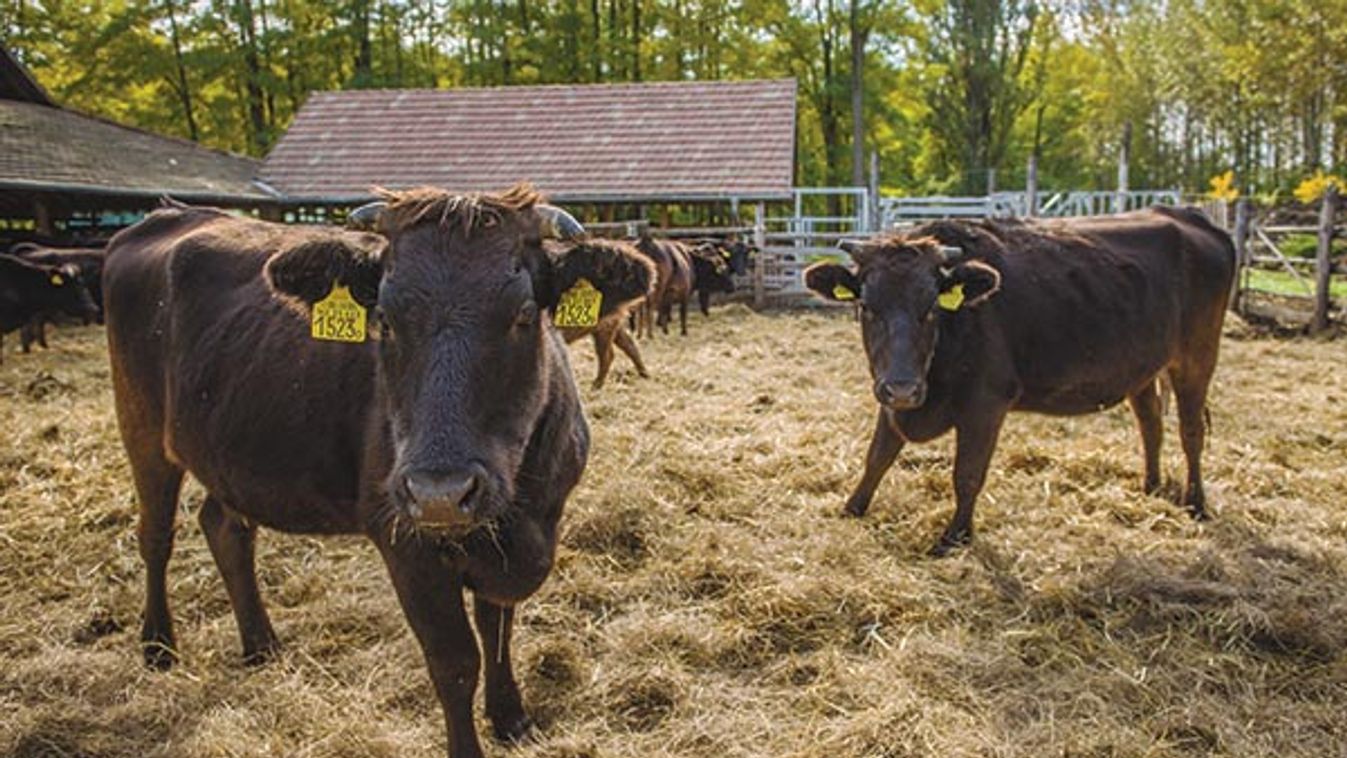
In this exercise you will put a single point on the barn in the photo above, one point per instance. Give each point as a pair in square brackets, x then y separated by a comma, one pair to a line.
[68, 175]
[609, 149]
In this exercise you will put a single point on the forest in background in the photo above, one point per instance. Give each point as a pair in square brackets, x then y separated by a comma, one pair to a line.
[944, 91]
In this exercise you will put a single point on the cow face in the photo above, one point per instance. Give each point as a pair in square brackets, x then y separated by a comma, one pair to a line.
[64, 290]
[904, 289]
[711, 269]
[462, 294]
[739, 255]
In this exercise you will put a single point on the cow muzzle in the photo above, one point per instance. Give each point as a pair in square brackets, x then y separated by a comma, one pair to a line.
[900, 396]
[446, 498]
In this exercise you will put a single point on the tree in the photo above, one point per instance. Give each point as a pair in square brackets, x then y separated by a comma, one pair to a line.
[980, 48]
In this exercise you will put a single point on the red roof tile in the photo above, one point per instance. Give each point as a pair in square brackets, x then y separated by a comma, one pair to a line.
[654, 141]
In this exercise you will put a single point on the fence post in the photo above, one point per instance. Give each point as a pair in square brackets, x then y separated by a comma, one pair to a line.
[874, 221]
[1241, 251]
[760, 260]
[1124, 156]
[1031, 188]
[1323, 262]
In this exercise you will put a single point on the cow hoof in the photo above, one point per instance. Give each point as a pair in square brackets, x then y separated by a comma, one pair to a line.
[948, 544]
[856, 507]
[1199, 513]
[513, 730]
[262, 655]
[159, 656]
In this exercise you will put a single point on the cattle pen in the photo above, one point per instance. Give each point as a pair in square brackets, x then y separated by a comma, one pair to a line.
[709, 598]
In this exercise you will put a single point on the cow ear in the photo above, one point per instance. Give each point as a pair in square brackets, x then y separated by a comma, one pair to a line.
[305, 273]
[968, 285]
[832, 281]
[615, 269]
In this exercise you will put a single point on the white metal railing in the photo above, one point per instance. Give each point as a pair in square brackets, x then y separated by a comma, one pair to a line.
[806, 226]
[896, 210]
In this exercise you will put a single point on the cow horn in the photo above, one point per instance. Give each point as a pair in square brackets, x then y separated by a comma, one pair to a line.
[851, 247]
[951, 253]
[366, 216]
[559, 223]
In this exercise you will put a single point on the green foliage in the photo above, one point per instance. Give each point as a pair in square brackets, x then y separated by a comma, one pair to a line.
[950, 88]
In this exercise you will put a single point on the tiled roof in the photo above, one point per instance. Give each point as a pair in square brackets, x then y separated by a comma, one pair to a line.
[54, 149]
[652, 141]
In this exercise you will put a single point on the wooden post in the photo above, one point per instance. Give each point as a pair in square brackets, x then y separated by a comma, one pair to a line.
[991, 182]
[1124, 156]
[1323, 262]
[1031, 187]
[760, 260]
[1241, 251]
[42, 218]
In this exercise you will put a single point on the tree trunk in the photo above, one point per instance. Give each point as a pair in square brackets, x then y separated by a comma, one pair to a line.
[636, 40]
[364, 55]
[252, 75]
[596, 49]
[859, 35]
[184, 90]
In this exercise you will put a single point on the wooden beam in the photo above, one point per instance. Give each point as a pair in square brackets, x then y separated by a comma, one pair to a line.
[42, 216]
[1323, 268]
[1241, 251]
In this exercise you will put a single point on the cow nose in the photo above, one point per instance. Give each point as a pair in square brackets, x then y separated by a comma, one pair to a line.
[900, 394]
[445, 497]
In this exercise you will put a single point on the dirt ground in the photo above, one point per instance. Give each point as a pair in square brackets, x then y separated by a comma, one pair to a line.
[709, 600]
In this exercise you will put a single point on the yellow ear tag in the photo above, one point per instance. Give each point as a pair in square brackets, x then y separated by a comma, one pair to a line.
[579, 306]
[843, 292]
[338, 317]
[57, 280]
[951, 298]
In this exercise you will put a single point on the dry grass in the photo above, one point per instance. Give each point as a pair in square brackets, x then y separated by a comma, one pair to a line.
[709, 600]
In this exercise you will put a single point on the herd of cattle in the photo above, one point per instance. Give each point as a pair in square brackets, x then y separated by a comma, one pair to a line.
[417, 361]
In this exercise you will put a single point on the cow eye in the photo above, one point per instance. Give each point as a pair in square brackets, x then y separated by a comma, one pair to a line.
[527, 315]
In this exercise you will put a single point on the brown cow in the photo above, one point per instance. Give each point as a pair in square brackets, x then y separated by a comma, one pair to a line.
[681, 270]
[611, 329]
[964, 322]
[451, 440]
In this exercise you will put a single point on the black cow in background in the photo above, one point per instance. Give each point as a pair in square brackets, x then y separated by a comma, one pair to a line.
[88, 261]
[28, 289]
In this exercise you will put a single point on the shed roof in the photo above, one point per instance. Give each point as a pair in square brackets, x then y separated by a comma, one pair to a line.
[661, 141]
[17, 84]
[47, 148]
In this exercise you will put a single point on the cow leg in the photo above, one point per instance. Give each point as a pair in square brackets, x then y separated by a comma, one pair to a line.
[231, 542]
[972, 454]
[1146, 406]
[27, 336]
[704, 302]
[157, 485]
[1190, 392]
[628, 346]
[603, 348]
[42, 334]
[665, 316]
[504, 706]
[885, 445]
[431, 595]
[683, 317]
